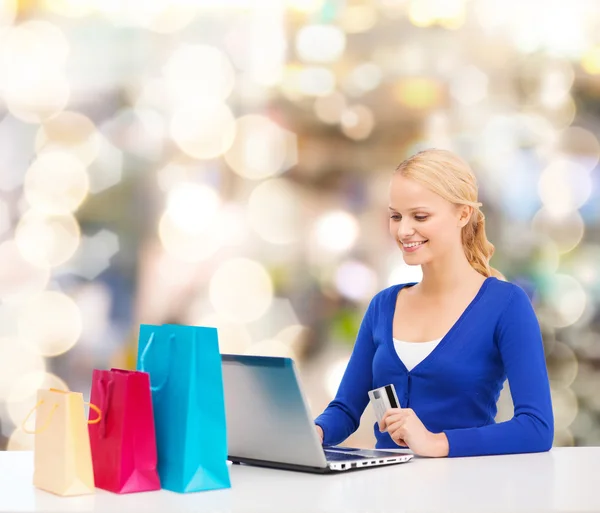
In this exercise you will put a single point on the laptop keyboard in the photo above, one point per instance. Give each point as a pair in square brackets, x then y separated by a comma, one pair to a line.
[338, 456]
[358, 455]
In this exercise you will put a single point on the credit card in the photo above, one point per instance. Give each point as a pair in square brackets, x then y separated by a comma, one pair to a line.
[383, 399]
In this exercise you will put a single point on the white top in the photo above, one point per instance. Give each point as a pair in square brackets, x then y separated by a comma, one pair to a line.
[564, 479]
[413, 353]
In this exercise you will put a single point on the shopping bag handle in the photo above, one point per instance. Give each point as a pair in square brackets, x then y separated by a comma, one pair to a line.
[45, 426]
[105, 400]
[49, 419]
[97, 410]
[143, 357]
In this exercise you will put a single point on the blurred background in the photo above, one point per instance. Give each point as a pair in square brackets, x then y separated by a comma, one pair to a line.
[225, 163]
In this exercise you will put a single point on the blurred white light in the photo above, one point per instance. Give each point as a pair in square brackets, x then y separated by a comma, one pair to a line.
[294, 336]
[556, 83]
[140, 131]
[364, 78]
[320, 43]
[47, 241]
[565, 406]
[204, 131]
[280, 315]
[334, 376]
[162, 16]
[314, 81]
[233, 338]
[172, 174]
[13, 160]
[448, 13]
[590, 60]
[437, 131]
[20, 441]
[94, 254]
[241, 290]
[32, 103]
[8, 319]
[22, 396]
[70, 8]
[50, 323]
[19, 279]
[4, 218]
[491, 15]
[69, 132]
[357, 122]
[232, 225]
[192, 207]
[567, 298]
[34, 43]
[187, 246]
[56, 183]
[8, 12]
[270, 347]
[274, 212]
[562, 365]
[358, 18]
[95, 302]
[565, 230]
[261, 148]
[199, 74]
[564, 186]
[107, 169]
[336, 231]
[579, 144]
[17, 360]
[548, 255]
[305, 6]
[355, 280]
[564, 114]
[33, 57]
[174, 16]
[584, 266]
[469, 85]
[257, 44]
[329, 109]
[404, 273]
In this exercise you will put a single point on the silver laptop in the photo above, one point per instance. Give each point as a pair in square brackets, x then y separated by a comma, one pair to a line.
[269, 423]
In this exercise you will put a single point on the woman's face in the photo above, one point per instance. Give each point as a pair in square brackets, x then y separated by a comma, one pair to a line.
[423, 224]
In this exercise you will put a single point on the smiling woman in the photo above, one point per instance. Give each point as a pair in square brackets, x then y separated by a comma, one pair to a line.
[448, 343]
[446, 190]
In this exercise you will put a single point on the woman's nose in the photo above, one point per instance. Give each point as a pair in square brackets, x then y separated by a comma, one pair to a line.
[405, 229]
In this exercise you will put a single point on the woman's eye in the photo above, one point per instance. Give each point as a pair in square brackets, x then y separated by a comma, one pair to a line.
[395, 217]
[421, 218]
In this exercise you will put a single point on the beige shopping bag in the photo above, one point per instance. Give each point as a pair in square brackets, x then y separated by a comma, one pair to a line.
[62, 454]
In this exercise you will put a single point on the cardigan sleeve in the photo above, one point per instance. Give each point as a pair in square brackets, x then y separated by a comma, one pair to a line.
[342, 416]
[531, 429]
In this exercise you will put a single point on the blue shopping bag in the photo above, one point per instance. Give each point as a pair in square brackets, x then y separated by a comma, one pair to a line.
[186, 380]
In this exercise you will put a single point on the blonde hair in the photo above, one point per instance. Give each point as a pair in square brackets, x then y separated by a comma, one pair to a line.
[446, 174]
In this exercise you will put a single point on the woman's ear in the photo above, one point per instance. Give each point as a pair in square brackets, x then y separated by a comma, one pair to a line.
[464, 215]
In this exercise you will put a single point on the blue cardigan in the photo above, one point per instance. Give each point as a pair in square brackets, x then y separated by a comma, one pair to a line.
[455, 389]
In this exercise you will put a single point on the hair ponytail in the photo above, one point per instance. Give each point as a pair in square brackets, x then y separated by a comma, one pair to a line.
[478, 249]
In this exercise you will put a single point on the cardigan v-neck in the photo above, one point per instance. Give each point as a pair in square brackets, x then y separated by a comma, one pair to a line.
[455, 389]
[449, 334]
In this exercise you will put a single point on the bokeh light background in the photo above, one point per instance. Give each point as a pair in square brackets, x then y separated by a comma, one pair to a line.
[225, 163]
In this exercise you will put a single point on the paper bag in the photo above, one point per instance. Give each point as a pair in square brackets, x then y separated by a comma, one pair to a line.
[184, 364]
[62, 455]
[124, 441]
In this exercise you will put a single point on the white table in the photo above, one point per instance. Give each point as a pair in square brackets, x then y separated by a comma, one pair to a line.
[564, 479]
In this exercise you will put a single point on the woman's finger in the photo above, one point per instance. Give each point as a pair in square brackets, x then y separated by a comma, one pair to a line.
[398, 434]
[395, 425]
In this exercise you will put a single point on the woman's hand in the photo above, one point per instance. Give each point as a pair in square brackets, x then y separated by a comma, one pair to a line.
[406, 429]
